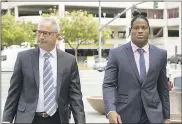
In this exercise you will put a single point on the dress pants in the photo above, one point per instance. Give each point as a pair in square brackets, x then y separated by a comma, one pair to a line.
[55, 119]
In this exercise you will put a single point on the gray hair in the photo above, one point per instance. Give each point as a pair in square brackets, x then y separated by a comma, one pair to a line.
[53, 21]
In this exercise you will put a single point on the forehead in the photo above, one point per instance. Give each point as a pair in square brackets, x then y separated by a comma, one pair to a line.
[45, 26]
[140, 22]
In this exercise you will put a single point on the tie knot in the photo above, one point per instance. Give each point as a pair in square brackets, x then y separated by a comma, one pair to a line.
[141, 51]
[47, 55]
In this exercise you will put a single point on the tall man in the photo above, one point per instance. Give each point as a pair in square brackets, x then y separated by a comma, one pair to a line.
[45, 84]
[135, 88]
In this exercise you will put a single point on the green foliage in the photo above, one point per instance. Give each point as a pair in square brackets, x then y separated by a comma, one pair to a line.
[15, 32]
[53, 12]
[79, 27]
[106, 33]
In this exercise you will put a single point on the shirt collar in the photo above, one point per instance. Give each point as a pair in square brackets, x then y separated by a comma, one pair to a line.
[53, 52]
[135, 48]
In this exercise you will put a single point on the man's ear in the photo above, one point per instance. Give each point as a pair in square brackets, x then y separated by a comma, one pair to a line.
[150, 30]
[58, 35]
[130, 31]
[150, 36]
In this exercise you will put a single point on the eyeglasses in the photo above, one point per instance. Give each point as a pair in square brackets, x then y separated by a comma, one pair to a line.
[45, 33]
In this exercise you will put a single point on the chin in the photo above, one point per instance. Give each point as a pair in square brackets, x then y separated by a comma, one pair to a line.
[140, 42]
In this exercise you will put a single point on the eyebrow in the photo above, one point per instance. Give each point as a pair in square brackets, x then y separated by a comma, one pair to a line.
[140, 25]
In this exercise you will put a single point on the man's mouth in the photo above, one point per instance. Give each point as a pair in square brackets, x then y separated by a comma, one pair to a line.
[42, 42]
[140, 36]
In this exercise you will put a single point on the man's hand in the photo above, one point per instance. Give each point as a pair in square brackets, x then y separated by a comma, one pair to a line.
[167, 121]
[170, 85]
[114, 118]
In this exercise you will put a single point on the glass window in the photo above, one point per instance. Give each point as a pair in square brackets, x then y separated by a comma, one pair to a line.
[3, 58]
[173, 13]
[173, 33]
[121, 34]
[153, 14]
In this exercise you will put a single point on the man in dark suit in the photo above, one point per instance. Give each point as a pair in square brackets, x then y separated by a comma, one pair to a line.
[135, 88]
[45, 84]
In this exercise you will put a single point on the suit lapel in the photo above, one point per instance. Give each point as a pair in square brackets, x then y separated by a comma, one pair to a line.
[60, 64]
[35, 65]
[131, 58]
[152, 55]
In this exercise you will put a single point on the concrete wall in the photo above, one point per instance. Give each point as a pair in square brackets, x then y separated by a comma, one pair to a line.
[147, 5]
[175, 105]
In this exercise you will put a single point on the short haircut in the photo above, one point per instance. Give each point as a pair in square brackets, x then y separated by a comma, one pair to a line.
[139, 15]
[53, 21]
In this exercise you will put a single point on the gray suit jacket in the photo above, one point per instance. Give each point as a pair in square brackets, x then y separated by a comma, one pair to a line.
[123, 92]
[23, 93]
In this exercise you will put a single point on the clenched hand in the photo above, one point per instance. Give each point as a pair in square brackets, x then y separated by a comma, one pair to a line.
[114, 118]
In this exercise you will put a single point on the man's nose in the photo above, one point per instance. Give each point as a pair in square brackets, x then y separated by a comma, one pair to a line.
[140, 30]
[42, 36]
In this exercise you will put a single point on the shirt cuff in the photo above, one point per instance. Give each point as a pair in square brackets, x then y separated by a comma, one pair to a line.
[5, 122]
[110, 112]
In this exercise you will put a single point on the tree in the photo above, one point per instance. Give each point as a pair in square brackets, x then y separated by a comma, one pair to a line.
[80, 27]
[16, 32]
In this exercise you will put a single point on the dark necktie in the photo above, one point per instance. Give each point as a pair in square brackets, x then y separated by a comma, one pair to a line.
[142, 65]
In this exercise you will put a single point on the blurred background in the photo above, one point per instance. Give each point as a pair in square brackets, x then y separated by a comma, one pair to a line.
[20, 20]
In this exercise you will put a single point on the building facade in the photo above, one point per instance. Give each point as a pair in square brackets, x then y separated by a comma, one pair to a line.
[165, 21]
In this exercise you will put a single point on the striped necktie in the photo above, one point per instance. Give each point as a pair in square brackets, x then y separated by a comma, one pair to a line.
[49, 91]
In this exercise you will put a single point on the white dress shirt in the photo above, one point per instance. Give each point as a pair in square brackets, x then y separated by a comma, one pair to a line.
[53, 61]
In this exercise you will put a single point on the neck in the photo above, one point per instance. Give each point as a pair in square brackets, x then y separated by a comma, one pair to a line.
[140, 45]
[48, 49]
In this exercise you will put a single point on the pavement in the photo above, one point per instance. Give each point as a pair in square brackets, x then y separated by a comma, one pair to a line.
[91, 85]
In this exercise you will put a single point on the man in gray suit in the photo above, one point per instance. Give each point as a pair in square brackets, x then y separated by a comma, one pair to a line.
[135, 88]
[45, 85]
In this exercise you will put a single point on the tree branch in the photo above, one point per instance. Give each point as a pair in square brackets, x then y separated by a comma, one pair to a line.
[70, 44]
[79, 44]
